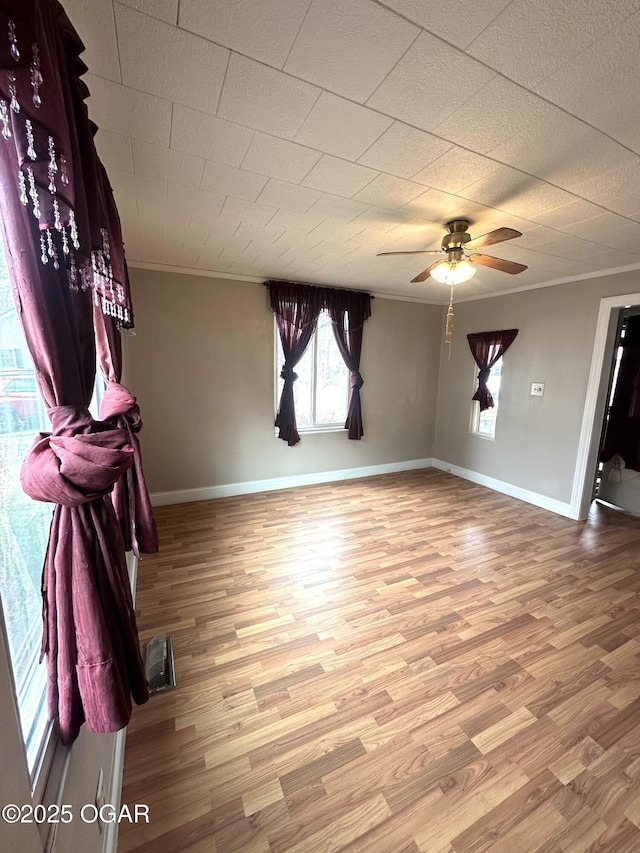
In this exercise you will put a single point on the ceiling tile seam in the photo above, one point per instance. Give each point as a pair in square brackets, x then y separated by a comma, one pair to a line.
[224, 80]
[597, 204]
[392, 119]
[115, 32]
[369, 182]
[170, 146]
[492, 21]
[446, 153]
[295, 38]
[421, 30]
[306, 175]
[407, 124]
[280, 139]
[485, 28]
[534, 94]
[377, 139]
[575, 198]
[497, 72]
[395, 64]
[404, 17]
[581, 52]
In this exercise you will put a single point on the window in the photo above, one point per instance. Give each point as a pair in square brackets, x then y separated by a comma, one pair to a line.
[484, 423]
[321, 391]
[24, 525]
[11, 357]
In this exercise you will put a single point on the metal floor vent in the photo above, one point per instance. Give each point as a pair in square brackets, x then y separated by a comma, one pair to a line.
[159, 665]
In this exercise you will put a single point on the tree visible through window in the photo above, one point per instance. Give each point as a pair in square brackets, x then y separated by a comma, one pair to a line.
[321, 391]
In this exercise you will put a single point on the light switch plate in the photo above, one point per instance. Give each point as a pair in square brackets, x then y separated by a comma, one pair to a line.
[537, 389]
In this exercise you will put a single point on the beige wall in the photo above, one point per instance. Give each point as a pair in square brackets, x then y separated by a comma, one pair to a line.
[536, 440]
[201, 365]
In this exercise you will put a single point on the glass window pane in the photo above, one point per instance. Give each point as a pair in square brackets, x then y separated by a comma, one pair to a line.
[487, 419]
[321, 391]
[332, 377]
[302, 389]
[24, 524]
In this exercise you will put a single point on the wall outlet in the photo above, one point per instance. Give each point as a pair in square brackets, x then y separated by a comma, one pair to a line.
[537, 389]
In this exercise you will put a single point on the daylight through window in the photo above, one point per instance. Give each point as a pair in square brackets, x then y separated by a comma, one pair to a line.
[24, 523]
[321, 391]
[484, 423]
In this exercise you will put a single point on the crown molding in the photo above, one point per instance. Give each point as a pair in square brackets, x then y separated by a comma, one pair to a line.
[252, 279]
[380, 294]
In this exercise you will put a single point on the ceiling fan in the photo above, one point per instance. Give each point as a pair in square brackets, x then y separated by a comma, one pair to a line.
[458, 265]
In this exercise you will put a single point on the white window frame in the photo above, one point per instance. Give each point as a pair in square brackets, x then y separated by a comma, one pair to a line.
[474, 427]
[277, 388]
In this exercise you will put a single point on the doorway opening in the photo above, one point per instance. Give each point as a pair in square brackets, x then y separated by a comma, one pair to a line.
[615, 483]
[596, 402]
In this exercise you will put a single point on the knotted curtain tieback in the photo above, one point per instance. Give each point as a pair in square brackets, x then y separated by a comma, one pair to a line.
[288, 374]
[78, 462]
[355, 379]
[119, 402]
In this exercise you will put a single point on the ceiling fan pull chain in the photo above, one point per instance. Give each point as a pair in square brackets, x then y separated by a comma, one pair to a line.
[448, 332]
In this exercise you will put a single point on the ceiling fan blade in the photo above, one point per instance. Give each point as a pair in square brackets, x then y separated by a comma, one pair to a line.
[497, 264]
[497, 236]
[416, 252]
[424, 275]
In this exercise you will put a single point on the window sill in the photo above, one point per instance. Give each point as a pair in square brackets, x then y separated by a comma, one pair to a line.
[483, 436]
[316, 430]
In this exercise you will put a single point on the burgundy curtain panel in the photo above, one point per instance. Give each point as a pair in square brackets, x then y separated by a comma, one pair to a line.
[63, 257]
[622, 434]
[118, 406]
[296, 308]
[348, 310]
[487, 348]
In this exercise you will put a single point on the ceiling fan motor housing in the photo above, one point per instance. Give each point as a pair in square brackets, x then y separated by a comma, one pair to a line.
[457, 236]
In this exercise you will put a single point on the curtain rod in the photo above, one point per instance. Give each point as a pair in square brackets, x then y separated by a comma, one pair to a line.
[306, 284]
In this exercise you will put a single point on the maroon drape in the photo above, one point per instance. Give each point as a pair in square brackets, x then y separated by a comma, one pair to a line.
[348, 310]
[622, 435]
[118, 406]
[481, 344]
[61, 256]
[296, 309]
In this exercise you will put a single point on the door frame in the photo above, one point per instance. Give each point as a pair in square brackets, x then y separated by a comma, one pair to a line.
[595, 402]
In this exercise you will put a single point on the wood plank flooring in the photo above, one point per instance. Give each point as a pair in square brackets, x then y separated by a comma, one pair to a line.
[402, 664]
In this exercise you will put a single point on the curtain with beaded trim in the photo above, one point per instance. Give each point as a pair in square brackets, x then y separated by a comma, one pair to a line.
[62, 259]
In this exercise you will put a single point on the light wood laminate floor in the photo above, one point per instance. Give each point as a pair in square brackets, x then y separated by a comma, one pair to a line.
[391, 665]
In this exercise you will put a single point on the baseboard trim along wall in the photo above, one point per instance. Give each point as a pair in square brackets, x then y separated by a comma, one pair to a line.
[208, 493]
[534, 498]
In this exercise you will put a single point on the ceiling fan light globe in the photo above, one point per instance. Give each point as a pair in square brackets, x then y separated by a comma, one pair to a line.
[453, 272]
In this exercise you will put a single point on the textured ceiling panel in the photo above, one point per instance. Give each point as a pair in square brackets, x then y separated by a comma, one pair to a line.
[170, 63]
[340, 127]
[533, 38]
[300, 137]
[260, 97]
[262, 29]
[349, 48]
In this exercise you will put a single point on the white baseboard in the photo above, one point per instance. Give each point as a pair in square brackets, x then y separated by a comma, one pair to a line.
[230, 489]
[506, 488]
